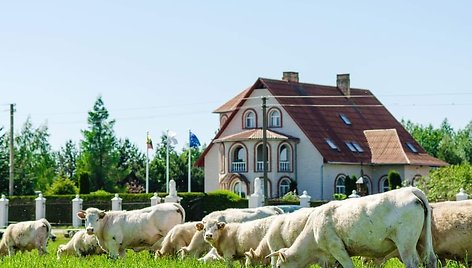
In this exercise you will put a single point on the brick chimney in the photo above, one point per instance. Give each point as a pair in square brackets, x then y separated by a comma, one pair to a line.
[343, 82]
[290, 77]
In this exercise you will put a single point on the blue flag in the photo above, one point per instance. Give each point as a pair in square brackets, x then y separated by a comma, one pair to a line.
[193, 142]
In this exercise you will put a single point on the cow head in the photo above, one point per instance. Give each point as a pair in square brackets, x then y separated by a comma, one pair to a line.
[211, 230]
[92, 217]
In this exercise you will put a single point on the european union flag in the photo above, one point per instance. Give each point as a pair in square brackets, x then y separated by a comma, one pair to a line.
[193, 141]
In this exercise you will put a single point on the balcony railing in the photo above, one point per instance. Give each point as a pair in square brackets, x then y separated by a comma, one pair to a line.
[260, 166]
[238, 166]
[284, 166]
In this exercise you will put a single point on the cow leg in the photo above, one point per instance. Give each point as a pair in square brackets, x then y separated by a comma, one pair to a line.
[338, 251]
[113, 249]
[11, 251]
[408, 253]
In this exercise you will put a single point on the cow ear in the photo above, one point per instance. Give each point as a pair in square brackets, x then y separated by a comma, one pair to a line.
[81, 215]
[101, 214]
[221, 225]
[199, 226]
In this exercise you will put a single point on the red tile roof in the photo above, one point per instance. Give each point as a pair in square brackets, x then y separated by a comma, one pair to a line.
[317, 110]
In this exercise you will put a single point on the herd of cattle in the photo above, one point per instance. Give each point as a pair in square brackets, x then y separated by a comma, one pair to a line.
[399, 223]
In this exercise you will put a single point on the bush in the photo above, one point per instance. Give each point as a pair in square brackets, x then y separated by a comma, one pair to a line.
[394, 180]
[290, 197]
[62, 186]
[339, 196]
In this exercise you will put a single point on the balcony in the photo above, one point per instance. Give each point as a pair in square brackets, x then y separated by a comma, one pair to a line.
[260, 166]
[238, 166]
[284, 166]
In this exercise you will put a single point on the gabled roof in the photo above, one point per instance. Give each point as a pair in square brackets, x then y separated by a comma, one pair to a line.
[317, 110]
[255, 134]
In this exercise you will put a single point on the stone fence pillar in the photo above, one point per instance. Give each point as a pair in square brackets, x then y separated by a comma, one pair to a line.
[3, 211]
[155, 200]
[40, 207]
[305, 200]
[116, 203]
[76, 207]
[462, 195]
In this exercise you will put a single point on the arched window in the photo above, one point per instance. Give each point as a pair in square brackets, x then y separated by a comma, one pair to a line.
[274, 118]
[238, 159]
[250, 119]
[340, 184]
[260, 158]
[239, 188]
[285, 158]
[284, 186]
[384, 184]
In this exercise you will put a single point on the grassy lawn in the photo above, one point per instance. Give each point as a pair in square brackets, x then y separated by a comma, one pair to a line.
[140, 259]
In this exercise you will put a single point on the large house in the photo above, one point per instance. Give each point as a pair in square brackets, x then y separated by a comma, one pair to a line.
[316, 136]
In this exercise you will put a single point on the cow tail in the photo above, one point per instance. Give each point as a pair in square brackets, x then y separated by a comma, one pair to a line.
[428, 253]
[181, 211]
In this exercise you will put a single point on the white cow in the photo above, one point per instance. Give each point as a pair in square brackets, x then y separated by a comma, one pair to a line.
[81, 244]
[198, 245]
[281, 234]
[26, 236]
[373, 226]
[179, 236]
[233, 239]
[143, 228]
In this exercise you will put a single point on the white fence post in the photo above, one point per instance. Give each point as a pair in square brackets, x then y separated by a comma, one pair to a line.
[354, 194]
[155, 200]
[40, 207]
[257, 198]
[76, 207]
[461, 195]
[3, 211]
[305, 200]
[172, 197]
[116, 202]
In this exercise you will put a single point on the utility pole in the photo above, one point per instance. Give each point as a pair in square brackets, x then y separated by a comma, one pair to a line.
[12, 161]
[264, 150]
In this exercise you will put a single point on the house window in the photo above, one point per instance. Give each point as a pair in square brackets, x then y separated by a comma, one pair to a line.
[238, 188]
[345, 119]
[354, 147]
[284, 187]
[238, 159]
[340, 184]
[274, 117]
[284, 158]
[260, 158]
[331, 144]
[412, 147]
[250, 119]
[384, 184]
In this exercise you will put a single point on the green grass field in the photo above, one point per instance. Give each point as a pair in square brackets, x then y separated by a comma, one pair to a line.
[141, 259]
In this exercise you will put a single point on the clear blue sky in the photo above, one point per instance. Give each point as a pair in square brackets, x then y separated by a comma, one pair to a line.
[168, 64]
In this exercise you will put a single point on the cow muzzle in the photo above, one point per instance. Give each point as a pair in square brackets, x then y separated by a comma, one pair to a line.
[208, 236]
[89, 230]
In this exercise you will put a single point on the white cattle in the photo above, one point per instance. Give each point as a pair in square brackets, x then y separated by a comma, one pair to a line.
[281, 234]
[179, 236]
[143, 228]
[81, 244]
[373, 226]
[231, 240]
[452, 229]
[26, 236]
[198, 245]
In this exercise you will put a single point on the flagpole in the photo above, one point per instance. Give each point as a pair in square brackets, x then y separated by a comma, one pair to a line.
[167, 162]
[147, 164]
[147, 170]
[189, 162]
